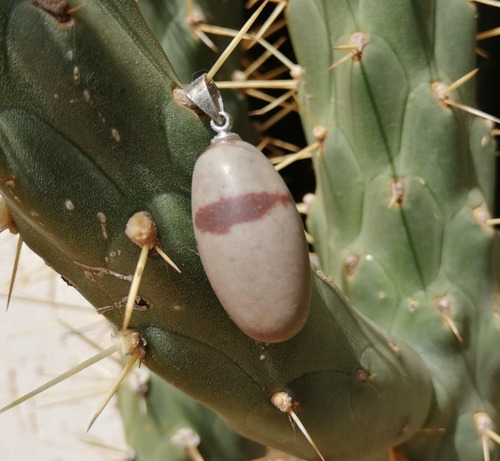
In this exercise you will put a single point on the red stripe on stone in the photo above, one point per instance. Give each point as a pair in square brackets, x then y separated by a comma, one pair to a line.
[218, 217]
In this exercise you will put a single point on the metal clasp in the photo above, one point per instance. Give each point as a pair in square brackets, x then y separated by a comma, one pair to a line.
[206, 96]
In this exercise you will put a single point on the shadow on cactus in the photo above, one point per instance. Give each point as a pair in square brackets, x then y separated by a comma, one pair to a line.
[95, 128]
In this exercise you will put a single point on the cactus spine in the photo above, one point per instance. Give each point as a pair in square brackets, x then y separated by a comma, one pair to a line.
[405, 186]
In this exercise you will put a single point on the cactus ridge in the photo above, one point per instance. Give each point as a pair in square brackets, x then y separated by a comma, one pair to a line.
[419, 203]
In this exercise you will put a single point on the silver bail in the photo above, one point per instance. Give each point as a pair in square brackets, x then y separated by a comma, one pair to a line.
[206, 96]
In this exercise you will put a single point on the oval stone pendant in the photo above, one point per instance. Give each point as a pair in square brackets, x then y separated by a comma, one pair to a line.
[250, 237]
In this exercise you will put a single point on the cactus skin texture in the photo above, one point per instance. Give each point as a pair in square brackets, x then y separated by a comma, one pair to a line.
[152, 416]
[404, 266]
[91, 132]
[173, 22]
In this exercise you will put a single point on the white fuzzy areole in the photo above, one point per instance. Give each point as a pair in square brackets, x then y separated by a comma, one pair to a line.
[251, 241]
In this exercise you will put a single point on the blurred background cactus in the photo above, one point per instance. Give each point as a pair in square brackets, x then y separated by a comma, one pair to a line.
[397, 363]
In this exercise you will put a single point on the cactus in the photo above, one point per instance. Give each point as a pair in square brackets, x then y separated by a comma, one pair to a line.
[419, 177]
[95, 128]
[159, 419]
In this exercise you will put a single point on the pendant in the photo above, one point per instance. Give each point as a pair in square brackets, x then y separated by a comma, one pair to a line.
[249, 233]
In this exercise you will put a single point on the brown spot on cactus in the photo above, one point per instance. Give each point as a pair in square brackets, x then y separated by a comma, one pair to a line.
[356, 46]
[141, 229]
[59, 9]
[320, 133]
[67, 281]
[103, 220]
[194, 19]
[481, 216]
[10, 182]
[324, 277]
[351, 262]
[133, 344]
[396, 455]
[362, 376]
[485, 428]
[412, 305]
[444, 306]
[397, 189]
[394, 348]
[438, 89]
[359, 40]
[141, 304]
[179, 96]
[442, 93]
[284, 403]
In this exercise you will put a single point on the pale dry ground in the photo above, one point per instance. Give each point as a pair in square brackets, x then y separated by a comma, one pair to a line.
[36, 347]
[39, 341]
